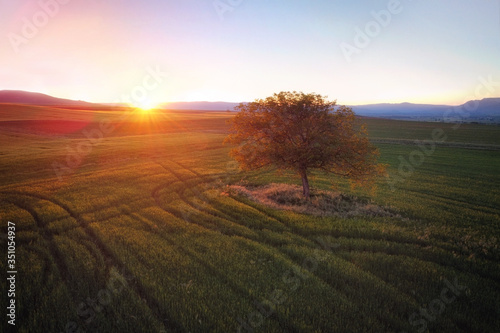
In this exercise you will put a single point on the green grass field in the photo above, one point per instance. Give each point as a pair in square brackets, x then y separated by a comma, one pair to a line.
[130, 229]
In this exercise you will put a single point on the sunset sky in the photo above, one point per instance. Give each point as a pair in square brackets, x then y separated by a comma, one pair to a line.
[240, 50]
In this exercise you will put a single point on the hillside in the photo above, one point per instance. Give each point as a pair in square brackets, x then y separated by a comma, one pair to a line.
[32, 98]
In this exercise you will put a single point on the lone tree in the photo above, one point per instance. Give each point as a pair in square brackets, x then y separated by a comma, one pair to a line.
[303, 132]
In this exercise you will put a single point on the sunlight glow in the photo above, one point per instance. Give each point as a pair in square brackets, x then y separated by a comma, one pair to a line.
[146, 106]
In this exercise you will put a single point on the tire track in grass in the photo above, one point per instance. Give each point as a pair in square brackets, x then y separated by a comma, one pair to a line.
[372, 238]
[257, 207]
[340, 234]
[225, 214]
[291, 259]
[234, 286]
[46, 236]
[387, 284]
[367, 279]
[275, 218]
[306, 240]
[39, 251]
[183, 198]
[110, 261]
[57, 258]
[449, 201]
[393, 288]
[196, 173]
[200, 211]
[113, 203]
[43, 229]
[221, 216]
[446, 263]
[238, 289]
[443, 262]
[175, 212]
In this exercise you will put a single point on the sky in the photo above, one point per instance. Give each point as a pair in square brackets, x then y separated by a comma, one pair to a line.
[152, 51]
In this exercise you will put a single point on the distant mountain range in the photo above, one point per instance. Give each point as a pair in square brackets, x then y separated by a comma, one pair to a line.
[486, 110]
[31, 98]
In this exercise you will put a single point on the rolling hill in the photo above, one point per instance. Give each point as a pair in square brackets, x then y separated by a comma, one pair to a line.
[486, 110]
[32, 98]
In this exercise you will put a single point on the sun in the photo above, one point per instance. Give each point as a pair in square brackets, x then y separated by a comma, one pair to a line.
[146, 105]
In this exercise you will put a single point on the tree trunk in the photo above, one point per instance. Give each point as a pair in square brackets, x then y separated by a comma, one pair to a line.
[305, 184]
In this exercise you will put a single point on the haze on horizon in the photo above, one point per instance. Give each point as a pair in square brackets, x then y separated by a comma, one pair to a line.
[357, 52]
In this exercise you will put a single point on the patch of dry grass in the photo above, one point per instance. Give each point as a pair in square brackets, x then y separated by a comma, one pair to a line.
[321, 203]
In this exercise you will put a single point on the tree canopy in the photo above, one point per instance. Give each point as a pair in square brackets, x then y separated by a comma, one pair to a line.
[303, 132]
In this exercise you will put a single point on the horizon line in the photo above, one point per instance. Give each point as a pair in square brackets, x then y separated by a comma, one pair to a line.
[231, 102]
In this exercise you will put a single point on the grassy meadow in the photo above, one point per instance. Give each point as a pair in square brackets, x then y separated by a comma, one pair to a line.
[125, 223]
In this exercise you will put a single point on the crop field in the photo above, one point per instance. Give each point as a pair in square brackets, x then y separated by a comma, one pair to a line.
[126, 222]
